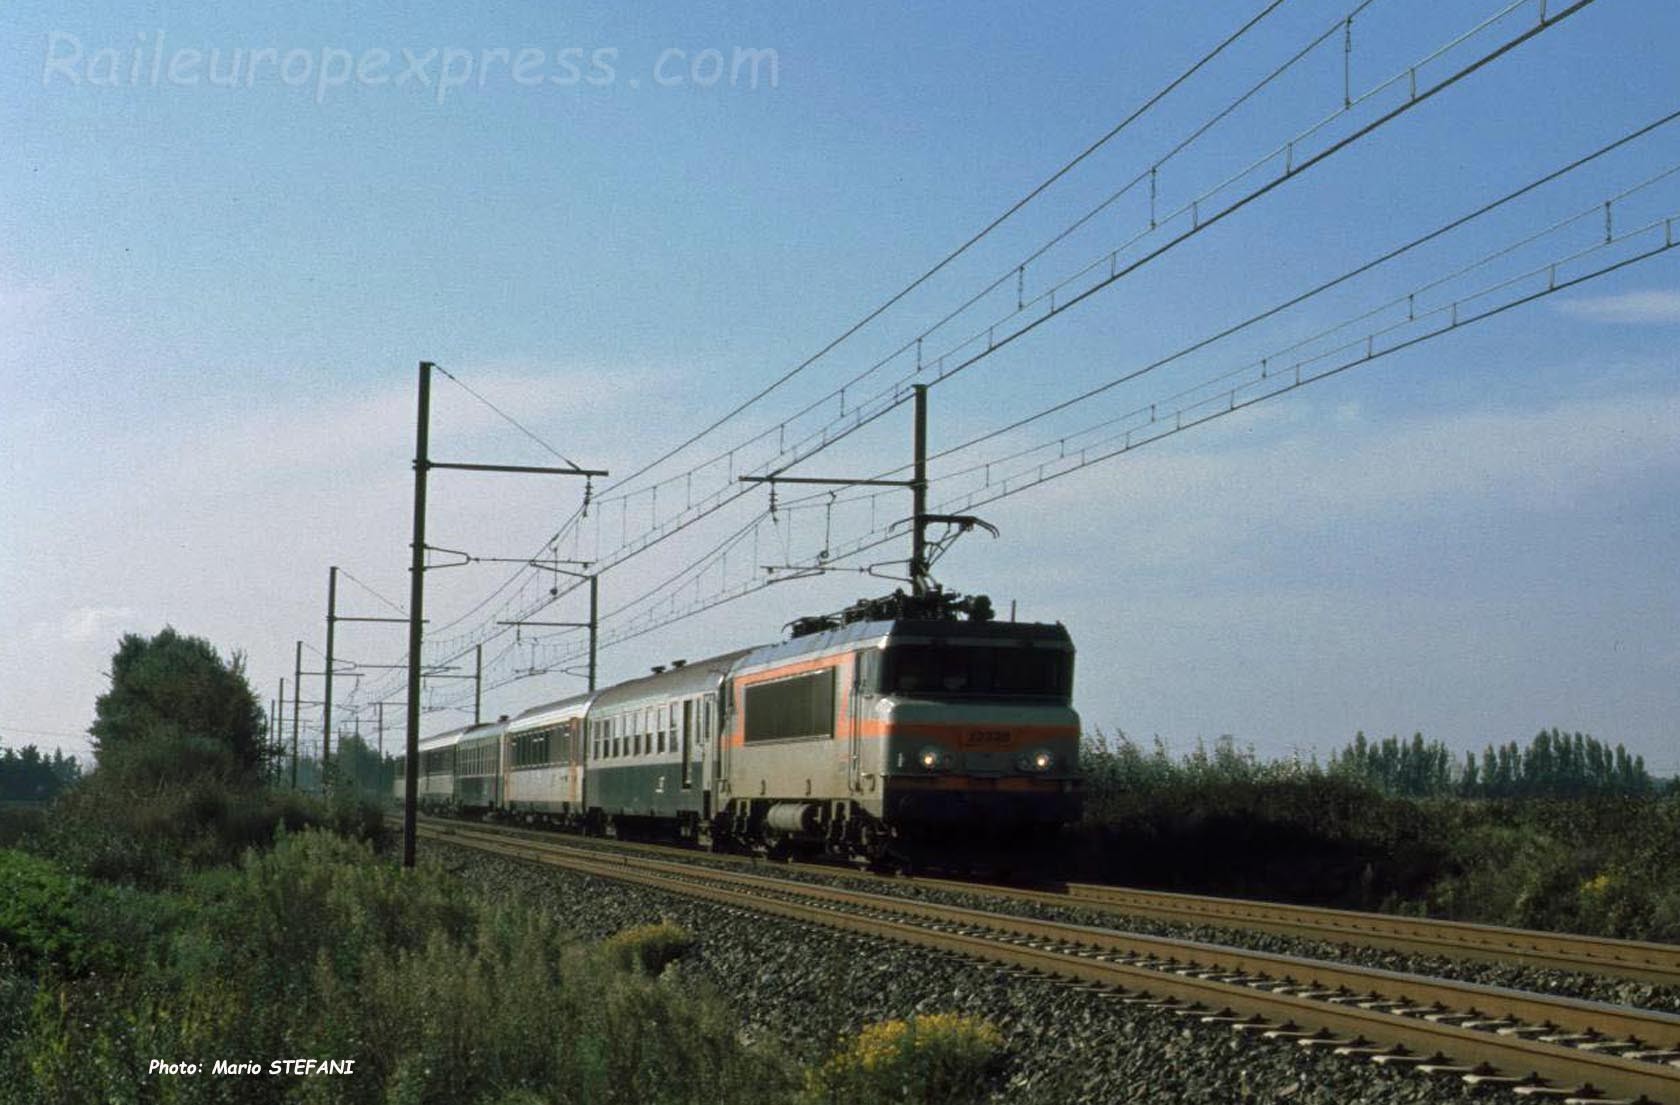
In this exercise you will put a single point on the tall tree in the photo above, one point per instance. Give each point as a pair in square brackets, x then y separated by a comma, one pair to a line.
[171, 688]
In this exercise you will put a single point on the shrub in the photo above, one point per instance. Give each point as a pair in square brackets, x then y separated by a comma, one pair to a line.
[940, 1059]
[648, 948]
[46, 918]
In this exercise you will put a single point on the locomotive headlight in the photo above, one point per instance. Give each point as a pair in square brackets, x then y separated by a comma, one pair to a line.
[929, 758]
[1039, 761]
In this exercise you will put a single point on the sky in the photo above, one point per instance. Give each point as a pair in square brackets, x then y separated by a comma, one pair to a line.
[230, 232]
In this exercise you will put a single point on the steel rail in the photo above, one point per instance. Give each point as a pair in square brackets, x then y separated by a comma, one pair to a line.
[1536, 1039]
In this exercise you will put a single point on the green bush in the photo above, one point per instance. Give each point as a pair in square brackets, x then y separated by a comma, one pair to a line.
[940, 1059]
[1606, 865]
[1223, 821]
[648, 948]
[47, 918]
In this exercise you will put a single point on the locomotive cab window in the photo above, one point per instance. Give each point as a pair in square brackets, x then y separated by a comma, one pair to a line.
[962, 671]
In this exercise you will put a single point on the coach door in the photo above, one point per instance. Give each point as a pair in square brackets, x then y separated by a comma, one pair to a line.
[686, 744]
[854, 726]
[717, 733]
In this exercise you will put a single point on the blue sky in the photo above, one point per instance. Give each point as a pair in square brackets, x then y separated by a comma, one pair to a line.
[214, 297]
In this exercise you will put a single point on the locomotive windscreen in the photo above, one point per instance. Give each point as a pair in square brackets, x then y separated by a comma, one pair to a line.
[963, 670]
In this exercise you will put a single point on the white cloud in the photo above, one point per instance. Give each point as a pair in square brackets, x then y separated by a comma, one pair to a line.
[87, 623]
[1652, 306]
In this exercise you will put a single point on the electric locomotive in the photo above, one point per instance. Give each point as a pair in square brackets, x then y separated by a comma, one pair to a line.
[898, 733]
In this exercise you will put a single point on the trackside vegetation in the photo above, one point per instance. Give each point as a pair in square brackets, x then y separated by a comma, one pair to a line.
[649, 948]
[1562, 833]
[319, 948]
[939, 1059]
[175, 905]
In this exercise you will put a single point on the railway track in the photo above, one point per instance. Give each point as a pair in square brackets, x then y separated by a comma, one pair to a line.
[1539, 1045]
[1642, 961]
[1634, 959]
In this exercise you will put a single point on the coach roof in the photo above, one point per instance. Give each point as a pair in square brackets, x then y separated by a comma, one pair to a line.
[696, 677]
[558, 710]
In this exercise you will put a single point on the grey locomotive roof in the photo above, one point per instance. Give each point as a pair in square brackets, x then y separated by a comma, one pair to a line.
[694, 677]
[860, 633]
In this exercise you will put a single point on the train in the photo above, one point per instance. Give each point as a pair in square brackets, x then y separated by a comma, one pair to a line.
[899, 731]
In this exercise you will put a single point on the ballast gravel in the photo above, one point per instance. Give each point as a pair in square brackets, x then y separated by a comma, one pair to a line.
[806, 988]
